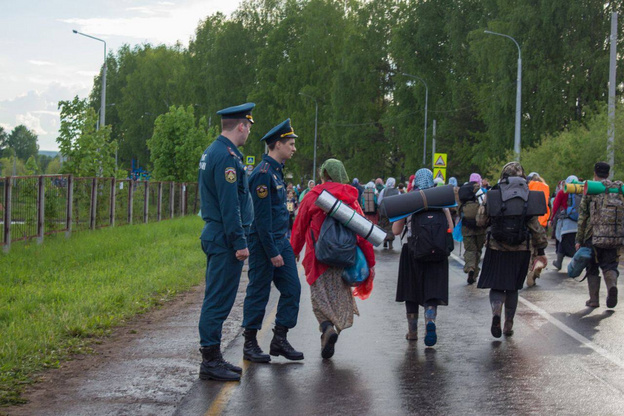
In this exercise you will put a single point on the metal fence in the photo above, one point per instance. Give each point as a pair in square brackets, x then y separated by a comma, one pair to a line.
[34, 206]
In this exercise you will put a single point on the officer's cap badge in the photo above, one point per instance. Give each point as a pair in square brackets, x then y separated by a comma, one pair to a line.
[230, 175]
[262, 191]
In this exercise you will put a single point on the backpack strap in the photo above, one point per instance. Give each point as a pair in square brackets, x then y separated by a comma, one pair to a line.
[424, 197]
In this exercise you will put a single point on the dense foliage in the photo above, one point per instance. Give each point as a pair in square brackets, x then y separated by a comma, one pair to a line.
[348, 57]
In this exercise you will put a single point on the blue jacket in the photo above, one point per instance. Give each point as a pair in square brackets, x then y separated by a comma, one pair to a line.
[269, 198]
[226, 205]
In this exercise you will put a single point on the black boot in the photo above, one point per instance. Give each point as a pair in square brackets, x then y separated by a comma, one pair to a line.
[471, 278]
[251, 350]
[214, 367]
[281, 346]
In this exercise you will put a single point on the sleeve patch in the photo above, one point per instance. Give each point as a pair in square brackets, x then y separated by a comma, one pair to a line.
[262, 191]
[230, 175]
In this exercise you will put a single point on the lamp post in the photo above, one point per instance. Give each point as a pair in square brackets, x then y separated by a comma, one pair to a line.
[424, 162]
[518, 93]
[315, 133]
[103, 97]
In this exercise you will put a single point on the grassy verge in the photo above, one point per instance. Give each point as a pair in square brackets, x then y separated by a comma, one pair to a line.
[56, 296]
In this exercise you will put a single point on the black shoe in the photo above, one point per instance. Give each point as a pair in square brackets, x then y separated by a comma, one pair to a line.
[471, 278]
[281, 346]
[508, 328]
[385, 244]
[612, 297]
[251, 350]
[214, 367]
[496, 327]
[328, 340]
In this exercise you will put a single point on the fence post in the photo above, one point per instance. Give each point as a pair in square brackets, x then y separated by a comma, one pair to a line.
[8, 193]
[172, 199]
[159, 201]
[40, 210]
[146, 203]
[130, 200]
[183, 195]
[70, 205]
[93, 202]
[113, 200]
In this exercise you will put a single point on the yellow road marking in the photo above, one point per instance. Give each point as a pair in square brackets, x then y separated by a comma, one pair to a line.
[223, 398]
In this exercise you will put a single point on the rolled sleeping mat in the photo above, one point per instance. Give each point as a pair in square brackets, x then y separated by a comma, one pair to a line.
[596, 187]
[574, 188]
[579, 262]
[348, 217]
[397, 207]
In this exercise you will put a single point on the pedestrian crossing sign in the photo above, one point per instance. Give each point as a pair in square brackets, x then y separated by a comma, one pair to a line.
[439, 160]
[251, 160]
[439, 173]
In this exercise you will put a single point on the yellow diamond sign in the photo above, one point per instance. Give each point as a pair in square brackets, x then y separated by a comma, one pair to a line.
[439, 173]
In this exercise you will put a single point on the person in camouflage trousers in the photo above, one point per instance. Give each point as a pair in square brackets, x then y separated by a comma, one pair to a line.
[606, 259]
[473, 235]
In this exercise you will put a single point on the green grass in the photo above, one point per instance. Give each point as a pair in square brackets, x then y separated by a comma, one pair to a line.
[56, 297]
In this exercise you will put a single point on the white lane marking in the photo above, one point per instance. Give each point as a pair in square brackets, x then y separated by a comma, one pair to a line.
[563, 327]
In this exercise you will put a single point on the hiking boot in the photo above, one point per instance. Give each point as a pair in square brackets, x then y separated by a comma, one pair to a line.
[214, 367]
[251, 350]
[328, 340]
[593, 284]
[496, 326]
[412, 323]
[430, 336]
[281, 346]
[508, 328]
[385, 244]
[612, 291]
[530, 280]
[558, 263]
[471, 277]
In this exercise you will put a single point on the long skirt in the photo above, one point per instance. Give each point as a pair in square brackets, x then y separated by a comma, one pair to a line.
[332, 299]
[422, 282]
[504, 270]
[567, 245]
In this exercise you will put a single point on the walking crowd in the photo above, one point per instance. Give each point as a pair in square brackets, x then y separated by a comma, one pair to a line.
[262, 219]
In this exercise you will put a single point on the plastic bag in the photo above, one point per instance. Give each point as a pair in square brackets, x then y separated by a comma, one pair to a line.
[457, 234]
[358, 273]
[579, 261]
[364, 290]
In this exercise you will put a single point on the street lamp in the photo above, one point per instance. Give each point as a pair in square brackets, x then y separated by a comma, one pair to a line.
[103, 98]
[315, 132]
[518, 94]
[426, 103]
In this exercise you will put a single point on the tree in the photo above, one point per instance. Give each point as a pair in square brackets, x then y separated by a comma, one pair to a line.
[3, 140]
[177, 144]
[24, 142]
[31, 166]
[54, 167]
[88, 152]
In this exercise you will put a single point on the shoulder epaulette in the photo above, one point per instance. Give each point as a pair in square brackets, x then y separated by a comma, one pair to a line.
[232, 152]
[264, 168]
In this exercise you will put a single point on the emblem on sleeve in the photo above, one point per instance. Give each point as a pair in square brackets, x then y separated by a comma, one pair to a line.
[262, 191]
[230, 175]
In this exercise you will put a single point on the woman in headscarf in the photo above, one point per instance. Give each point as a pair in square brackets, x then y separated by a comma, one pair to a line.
[310, 186]
[505, 266]
[384, 221]
[369, 203]
[333, 300]
[421, 283]
[379, 185]
[565, 212]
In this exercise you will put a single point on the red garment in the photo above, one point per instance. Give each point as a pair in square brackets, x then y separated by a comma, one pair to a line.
[410, 184]
[311, 217]
[561, 202]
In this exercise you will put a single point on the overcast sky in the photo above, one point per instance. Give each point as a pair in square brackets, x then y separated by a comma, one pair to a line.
[42, 61]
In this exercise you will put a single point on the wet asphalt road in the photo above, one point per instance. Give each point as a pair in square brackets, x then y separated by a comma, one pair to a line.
[564, 358]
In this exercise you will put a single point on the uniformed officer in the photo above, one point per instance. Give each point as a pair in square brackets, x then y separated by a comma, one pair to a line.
[227, 210]
[271, 255]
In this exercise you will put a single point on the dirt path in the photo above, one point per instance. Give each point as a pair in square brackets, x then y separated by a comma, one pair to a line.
[144, 368]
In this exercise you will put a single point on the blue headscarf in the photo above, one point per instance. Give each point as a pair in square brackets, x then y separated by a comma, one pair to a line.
[453, 181]
[423, 179]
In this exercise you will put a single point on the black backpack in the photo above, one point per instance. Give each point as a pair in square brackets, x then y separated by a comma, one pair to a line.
[429, 240]
[466, 192]
[509, 219]
[336, 244]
